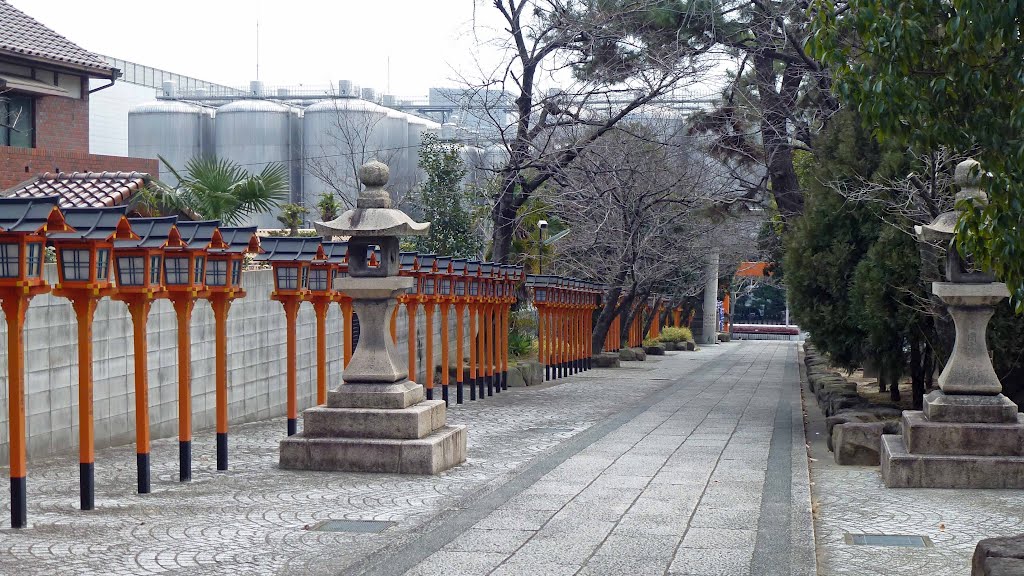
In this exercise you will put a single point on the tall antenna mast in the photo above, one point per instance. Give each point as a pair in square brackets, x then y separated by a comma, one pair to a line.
[257, 48]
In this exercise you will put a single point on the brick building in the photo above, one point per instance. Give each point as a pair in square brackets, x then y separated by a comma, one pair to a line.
[44, 103]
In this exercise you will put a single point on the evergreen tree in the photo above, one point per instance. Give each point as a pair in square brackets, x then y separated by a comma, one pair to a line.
[444, 201]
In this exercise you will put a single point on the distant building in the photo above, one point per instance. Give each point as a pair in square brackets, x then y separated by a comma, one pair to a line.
[44, 103]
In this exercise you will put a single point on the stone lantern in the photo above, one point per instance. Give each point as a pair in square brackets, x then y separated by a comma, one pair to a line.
[377, 420]
[969, 434]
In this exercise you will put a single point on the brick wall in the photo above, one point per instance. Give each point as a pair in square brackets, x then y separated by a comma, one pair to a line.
[63, 123]
[20, 164]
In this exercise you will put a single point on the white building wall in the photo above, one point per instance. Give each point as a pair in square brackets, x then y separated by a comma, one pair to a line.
[108, 115]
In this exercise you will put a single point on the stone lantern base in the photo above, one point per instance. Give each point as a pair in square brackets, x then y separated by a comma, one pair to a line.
[968, 435]
[353, 432]
[378, 420]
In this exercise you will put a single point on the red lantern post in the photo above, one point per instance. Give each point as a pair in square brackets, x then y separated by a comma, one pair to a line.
[289, 257]
[24, 223]
[459, 295]
[444, 297]
[325, 267]
[224, 262]
[139, 267]
[476, 383]
[409, 266]
[84, 270]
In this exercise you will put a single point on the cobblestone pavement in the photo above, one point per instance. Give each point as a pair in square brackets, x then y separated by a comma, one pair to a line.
[666, 459]
[853, 499]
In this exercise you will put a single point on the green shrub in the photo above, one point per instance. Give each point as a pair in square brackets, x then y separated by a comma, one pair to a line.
[519, 344]
[650, 342]
[672, 334]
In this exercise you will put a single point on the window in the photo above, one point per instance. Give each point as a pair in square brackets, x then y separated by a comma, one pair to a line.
[318, 279]
[10, 254]
[428, 286]
[17, 121]
[474, 288]
[176, 271]
[287, 278]
[305, 277]
[460, 287]
[217, 273]
[154, 269]
[200, 261]
[75, 264]
[131, 271]
[236, 273]
[540, 295]
[35, 259]
[446, 286]
[103, 264]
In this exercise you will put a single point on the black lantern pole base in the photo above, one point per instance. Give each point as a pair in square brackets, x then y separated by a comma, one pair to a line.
[504, 380]
[142, 469]
[472, 388]
[547, 372]
[184, 460]
[222, 450]
[19, 502]
[444, 393]
[87, 485]
[293, 426]
[430, 393]
[459, 392]
[490, 385]
[480, 387]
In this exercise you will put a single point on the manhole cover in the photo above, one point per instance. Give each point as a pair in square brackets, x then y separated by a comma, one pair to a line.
[544, 430]
[361, 526]
[888, 540]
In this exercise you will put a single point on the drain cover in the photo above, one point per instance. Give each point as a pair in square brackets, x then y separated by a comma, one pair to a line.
[888, 540]
[360, 526]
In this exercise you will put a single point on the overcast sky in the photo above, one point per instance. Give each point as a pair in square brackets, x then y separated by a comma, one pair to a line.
[315, 42]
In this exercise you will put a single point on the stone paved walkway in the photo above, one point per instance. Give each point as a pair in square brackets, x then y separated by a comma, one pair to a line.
[689, 464]
[853, 500]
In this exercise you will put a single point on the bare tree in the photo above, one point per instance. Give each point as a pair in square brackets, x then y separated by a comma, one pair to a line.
[573, 63]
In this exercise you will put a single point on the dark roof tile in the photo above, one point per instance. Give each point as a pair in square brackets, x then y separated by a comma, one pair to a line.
[84, 189]
[24, 36]
[91, 223]
[25, 215]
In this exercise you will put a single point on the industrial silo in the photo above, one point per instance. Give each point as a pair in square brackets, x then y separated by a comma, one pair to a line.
[396, 153]
[339, 135]
[255, 133]
[177, 131]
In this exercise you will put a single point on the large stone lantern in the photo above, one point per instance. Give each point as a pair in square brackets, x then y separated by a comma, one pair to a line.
[969, 434]
[377, 420]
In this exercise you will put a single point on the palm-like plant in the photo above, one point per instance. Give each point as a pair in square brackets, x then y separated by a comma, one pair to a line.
[219, 189]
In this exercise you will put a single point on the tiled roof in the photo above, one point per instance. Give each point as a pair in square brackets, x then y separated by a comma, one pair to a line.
[27, 37]
[84, 189]
[153, 232]
[752, 270]
[198, 234]
[237, 238]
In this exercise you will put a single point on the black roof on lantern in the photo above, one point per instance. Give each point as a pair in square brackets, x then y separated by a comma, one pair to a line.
[289, 249]
[197, 234]
[91, 223]
[237, 238]
[26, 215]
[336, 252]
[153, 232]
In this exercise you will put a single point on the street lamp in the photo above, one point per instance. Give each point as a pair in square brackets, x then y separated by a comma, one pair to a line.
[84, 272]
[139, 267]
[224, 261]
[542, 226]
[289, 259]
[24, 222]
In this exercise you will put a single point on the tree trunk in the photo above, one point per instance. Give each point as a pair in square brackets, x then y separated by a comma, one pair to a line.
[504, 218]
[630, 308]
[605, 318]
[775, 136]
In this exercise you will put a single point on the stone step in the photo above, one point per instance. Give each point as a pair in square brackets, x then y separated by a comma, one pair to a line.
[432, 454]
[901, 469]
[923, 436]
[407, 423]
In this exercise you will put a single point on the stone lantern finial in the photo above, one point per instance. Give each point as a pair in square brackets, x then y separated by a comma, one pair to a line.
[374, 175]
[967, 177]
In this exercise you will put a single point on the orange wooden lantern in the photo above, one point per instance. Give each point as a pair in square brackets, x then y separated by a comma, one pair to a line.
[445, 296]
[224, 262]
[327, 263]
[426, 292]
[474, 299]
[24, 223]
[84, 272]
[290, 259]
[138, 266]
[459, 296]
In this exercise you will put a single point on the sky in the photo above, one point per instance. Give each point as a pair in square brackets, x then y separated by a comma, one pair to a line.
[401, 47]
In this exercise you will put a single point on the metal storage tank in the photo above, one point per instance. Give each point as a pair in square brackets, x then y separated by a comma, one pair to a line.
[175, 130]
[397, 154]
[339, 135]
[255, 133]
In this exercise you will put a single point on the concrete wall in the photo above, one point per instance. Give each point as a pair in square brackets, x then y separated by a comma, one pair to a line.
[256, 365]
